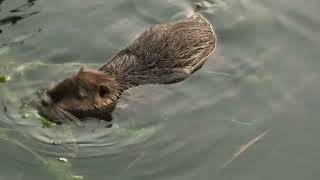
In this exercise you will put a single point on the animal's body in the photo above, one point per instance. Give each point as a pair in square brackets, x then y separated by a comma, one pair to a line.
[165, 53]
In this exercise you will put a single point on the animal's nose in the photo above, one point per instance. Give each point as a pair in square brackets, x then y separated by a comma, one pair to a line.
[45, 101]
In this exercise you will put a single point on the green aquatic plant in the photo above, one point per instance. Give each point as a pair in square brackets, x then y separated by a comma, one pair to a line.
[4, 78]
[46, 123]
[28, 113]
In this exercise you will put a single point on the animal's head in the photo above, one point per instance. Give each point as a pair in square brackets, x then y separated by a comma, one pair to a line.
[89, 93]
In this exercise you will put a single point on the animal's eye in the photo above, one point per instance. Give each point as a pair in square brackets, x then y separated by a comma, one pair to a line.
[82, 94]
[103, 91]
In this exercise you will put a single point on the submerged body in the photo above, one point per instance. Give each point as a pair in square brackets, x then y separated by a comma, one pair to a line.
[165, 53]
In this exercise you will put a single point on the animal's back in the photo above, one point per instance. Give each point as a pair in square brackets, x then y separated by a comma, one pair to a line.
[165, 53]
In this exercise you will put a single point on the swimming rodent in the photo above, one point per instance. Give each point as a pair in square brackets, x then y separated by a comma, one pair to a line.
[165, 53]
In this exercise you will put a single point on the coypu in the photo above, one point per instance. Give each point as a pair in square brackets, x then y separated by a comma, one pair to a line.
[165, 53]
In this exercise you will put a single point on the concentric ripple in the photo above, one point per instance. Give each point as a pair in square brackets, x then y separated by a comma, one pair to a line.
[66, 140]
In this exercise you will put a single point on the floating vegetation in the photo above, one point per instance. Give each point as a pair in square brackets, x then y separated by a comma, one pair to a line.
[46, 123]
[243, 148]
[28, 113]
[4, 78]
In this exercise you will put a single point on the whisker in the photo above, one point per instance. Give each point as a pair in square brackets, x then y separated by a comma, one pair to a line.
[71, 117]
[75, 119]
[61, 115]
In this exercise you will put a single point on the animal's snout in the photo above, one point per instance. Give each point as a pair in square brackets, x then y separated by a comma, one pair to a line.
[44, 103]
[46, 100]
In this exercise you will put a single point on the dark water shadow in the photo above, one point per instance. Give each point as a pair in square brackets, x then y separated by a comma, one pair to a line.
[28, 4]
[11, 17]
[14, 19]
[23, 7]
[17, 14]
[1, 1]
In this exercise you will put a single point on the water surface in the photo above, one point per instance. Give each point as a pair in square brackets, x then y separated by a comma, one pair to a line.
[250, 113]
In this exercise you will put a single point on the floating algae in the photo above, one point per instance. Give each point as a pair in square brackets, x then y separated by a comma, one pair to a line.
[4, 78]
[28, 113]
[46, 123]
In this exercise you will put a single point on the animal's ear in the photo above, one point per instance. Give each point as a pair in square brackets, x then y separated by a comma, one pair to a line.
[103, 91]
[82, 68]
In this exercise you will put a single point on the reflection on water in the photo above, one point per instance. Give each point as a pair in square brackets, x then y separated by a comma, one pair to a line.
[253, 106]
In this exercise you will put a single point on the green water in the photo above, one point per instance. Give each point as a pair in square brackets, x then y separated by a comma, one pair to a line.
[250, 113]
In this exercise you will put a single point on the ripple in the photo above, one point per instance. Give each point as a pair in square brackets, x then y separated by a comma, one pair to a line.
[66, 140]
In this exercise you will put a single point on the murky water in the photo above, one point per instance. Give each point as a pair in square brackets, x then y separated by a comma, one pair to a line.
[250, 113]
